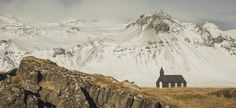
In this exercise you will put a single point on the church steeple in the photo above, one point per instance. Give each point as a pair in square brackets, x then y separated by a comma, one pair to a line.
[161, 72]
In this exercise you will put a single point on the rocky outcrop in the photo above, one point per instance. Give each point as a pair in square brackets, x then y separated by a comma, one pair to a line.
[161, 27]
[227, 93]
[11, 96]
[58, 51]
[41, 83]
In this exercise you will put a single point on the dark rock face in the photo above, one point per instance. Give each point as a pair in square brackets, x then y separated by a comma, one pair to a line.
[58, 51]
[157, 22]
[41, 83]
[2, 77]
[161, 27]
[207, 38]
[219, 39]
[107, 98]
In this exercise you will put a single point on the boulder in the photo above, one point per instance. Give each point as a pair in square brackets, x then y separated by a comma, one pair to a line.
[42, 83]
[11, 96]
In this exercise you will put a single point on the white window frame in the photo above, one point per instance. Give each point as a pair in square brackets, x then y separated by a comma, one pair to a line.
[176, 85]
[169, 85]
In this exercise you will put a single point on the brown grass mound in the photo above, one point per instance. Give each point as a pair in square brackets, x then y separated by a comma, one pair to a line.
[227, 93]
[194, 97]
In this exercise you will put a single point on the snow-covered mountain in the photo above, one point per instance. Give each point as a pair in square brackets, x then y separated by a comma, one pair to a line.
[205, 56]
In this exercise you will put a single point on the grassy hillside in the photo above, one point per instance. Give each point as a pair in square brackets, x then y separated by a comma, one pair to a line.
[196, 97]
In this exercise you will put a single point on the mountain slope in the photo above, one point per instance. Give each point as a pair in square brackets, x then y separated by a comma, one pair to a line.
[205, 55]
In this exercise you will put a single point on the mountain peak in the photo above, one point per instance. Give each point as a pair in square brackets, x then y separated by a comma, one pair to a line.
[213, 29]
[161, 15]
[156, 16]
[159, 21]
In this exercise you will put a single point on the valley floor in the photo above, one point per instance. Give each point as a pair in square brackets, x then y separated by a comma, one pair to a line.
[196, 97]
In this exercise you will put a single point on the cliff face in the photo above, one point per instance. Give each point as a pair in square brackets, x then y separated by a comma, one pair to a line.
[41, 83]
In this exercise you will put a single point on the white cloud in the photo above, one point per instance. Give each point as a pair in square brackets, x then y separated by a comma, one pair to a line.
[42, 10]
[53, 10]
[185, 10]
[198, 11]
[113, 8]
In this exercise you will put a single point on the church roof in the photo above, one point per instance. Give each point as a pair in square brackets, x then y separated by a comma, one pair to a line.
[172, 79]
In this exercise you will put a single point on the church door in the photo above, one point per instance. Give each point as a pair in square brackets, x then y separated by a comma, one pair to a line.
[160, 84]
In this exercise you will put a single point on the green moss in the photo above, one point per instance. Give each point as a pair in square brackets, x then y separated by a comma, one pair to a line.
[49, 85]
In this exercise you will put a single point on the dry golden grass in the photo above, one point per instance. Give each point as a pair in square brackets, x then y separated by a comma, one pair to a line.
[106, 81]
[192, 97]
[109, 82]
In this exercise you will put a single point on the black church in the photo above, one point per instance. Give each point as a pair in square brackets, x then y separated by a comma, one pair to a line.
[165, 81]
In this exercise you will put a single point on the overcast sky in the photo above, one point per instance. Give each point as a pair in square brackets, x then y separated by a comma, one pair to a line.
[221, 12]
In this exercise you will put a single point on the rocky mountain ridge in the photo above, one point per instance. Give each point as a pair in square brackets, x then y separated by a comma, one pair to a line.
[41, 83]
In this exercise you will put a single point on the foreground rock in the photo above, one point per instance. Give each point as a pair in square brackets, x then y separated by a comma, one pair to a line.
[41, 83]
